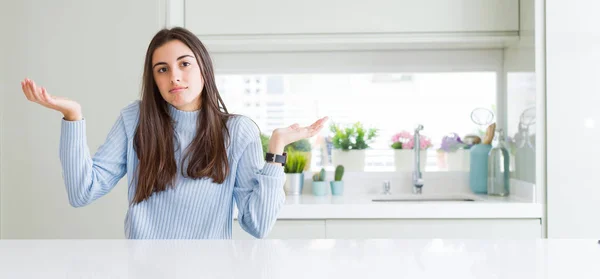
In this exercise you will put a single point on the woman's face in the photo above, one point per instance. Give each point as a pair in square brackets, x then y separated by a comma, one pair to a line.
[177, 75]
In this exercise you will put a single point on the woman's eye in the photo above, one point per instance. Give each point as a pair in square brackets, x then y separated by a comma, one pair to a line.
[186, 64]
[162, 70]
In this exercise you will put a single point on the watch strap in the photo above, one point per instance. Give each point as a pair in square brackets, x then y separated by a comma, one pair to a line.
[276, 158]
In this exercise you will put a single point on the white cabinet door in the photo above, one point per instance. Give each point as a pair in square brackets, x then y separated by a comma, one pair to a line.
[287, 229]
[292, 17]
[434, 228]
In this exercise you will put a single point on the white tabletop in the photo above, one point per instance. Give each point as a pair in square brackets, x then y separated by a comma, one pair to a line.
[300, 259]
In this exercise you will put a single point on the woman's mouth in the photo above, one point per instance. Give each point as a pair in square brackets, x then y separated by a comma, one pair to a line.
[177, 89]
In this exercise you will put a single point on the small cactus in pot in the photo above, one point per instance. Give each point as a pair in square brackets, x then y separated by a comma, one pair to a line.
[319, 176]
[337, 186]
[339, 173]
[319, 187]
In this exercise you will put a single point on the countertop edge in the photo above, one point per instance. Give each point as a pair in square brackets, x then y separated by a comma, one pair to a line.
[410, 211]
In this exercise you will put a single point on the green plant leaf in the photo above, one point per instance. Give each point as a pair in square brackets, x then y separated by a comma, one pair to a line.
[300, 145]
[354, 137]
[296, 161]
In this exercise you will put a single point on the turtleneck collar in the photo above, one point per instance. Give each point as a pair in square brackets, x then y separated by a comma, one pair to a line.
[184, 120]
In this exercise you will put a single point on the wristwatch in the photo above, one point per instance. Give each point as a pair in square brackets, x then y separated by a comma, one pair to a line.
[276, 158]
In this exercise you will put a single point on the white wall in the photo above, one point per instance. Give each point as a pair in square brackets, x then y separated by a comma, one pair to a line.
[4, 48]
[90, 51]
[572, 74]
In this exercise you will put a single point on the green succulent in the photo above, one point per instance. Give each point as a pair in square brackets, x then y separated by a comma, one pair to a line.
[319, 176]
[339, 173]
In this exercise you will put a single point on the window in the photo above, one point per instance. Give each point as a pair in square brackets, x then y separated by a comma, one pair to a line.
[436, 89]
[442, 102]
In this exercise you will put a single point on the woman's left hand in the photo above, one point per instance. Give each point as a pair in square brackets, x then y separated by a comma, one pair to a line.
[284, 136]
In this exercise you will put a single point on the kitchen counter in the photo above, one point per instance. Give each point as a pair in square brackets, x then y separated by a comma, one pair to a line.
[320, 258]
[362, 207]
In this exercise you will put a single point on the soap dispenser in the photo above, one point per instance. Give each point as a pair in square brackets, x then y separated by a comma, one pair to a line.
[499, 168]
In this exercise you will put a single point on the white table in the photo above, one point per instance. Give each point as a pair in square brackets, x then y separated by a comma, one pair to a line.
[329, 258]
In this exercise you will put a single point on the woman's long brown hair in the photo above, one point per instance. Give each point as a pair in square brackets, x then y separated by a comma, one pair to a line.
[154, 136]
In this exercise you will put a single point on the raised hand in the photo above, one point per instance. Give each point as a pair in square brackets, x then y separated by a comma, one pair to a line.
[284, 136]
[70, 109]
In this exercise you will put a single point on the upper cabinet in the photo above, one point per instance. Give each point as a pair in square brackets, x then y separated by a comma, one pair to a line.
[269, 17]
[349, 22]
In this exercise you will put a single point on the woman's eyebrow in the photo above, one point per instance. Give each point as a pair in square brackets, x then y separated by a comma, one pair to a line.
[178, 58]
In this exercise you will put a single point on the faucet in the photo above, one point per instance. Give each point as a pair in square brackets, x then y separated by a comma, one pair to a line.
[417, 177]
[386, 187]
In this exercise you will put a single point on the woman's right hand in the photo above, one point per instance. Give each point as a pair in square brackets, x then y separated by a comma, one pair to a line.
[70, 109]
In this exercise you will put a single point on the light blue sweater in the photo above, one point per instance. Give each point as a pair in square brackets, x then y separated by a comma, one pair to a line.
[194, 208]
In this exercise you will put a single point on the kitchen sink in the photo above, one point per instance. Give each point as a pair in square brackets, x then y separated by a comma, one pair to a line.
[424, 198]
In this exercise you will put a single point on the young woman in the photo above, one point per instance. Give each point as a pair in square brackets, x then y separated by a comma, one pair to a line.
[186, 157]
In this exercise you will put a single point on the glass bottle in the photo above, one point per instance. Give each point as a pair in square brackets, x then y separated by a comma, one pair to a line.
[499, 168]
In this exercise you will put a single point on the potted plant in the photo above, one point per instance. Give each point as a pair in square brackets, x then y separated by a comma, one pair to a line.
[350, 144]
[337, 186]
[264, 139]
[319, 186]
[303, 146]
[294, 175]
[456, 153]
[403, 145]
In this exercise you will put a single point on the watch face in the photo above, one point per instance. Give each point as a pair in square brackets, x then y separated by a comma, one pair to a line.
[271, 157]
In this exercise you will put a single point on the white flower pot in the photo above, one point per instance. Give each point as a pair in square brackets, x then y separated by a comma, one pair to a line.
[404, 159]
[352, 160]
[458, 160]
[294, 183]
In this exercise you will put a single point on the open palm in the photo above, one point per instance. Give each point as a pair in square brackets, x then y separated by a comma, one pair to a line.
[40, 95]
[295, 132]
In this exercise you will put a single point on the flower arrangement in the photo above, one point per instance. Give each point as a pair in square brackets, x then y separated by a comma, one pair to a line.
[400, 139]
[452, 142]
[405, 140]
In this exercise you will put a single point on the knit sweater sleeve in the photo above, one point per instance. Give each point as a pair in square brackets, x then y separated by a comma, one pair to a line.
[88, 178]
[258, 189]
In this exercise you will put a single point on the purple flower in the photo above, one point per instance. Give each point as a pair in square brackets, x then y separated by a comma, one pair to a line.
[451, 142]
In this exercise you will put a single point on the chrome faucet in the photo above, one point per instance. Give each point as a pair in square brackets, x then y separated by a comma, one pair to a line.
[417, 177]
[386, 187]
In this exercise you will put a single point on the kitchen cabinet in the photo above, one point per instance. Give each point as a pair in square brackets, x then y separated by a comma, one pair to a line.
[269, 17]
[287, 229]
[401, 228]
[263, 25]
[434, 228]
